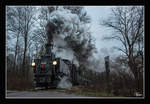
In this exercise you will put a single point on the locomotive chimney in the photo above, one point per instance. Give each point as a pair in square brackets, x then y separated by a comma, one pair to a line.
[50, 28]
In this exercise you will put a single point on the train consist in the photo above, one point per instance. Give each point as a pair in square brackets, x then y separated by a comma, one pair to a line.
[49, 70]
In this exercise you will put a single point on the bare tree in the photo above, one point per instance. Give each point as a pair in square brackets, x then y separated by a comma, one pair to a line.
[128, 24]
[13, 27]
[20, 20]
[27, 23]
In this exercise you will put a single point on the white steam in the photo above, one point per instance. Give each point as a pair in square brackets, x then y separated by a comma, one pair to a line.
[70, 21]
[69, 26]
[64, 83]
[62, 50]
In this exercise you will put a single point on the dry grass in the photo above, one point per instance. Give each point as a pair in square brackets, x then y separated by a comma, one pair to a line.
[87, 91]
[15, 82]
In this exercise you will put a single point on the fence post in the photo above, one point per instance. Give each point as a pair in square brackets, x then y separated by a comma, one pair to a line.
[107, 73]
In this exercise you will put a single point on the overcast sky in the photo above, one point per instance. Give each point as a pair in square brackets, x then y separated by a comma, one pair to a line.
[97, 14]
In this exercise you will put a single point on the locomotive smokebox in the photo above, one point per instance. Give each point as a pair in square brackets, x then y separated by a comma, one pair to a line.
[49, 47]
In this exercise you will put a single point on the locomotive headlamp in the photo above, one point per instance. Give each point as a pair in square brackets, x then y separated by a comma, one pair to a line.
[54, 62]
[33, 63]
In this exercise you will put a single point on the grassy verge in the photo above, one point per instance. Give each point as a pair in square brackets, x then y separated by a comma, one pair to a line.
[84, 91]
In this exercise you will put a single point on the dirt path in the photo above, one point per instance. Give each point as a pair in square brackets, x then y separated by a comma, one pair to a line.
[39, 93]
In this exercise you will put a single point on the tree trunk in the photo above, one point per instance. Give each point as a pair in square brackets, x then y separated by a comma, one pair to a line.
[24, 55]
[134, 70]
[16, 48]
[16, 51]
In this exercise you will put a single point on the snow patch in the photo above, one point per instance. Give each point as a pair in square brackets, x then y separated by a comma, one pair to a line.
[64, 83]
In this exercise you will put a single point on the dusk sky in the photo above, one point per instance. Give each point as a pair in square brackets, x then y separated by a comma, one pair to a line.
[98, 14]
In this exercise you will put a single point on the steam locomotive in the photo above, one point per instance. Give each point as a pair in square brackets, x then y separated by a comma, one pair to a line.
[49, 70]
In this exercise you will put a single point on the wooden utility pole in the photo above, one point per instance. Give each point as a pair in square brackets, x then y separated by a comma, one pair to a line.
[107, 73]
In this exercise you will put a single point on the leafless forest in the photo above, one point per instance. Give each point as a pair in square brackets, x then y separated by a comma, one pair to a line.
[26, 36]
